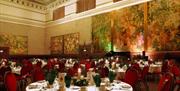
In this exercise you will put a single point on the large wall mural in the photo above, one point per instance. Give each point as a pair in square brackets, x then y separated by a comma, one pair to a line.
[65, 44]
[101, 27]
[164, 25]
[126, 26]
[56, 45]
[124, 29]
[17, 44]
[71, 43]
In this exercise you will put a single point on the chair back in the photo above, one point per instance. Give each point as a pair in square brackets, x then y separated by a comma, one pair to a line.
[103, 71]
[38, 74]
[131, 76]
[61, 66]
[145, 71]
[93, 65]
[166, 82]
[10, 81]
[165, 67]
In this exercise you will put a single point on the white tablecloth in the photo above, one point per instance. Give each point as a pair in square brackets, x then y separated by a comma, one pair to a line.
[115, 86]
[42, 86]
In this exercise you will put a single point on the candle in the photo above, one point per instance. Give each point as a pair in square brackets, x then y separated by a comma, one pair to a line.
[79, 70]
[117, 59]
[107, 62]
[3, 63]
[70, 60]
[113, 65]
[79, 73]
[82, 77]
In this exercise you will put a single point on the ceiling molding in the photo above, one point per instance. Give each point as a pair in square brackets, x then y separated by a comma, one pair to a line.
[25, 4]
[59, 3]
[98, 10]
[21, 7]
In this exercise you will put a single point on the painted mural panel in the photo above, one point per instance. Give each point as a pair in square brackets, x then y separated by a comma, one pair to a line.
[17, 44]
[101, 32]
[164, 25]
[56, 45]
[71, 43]
[126, 26]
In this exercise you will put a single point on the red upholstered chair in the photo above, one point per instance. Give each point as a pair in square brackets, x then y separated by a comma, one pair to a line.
[106, 70]
[71, 72]
[61, 66]
[50, 64]
[144, 72]
[88, 65]
[93, 65]
[144, 77]
[178, 84]
[131, 76]
[10, 81]
[166, 82]
[103, 71]
[26, 75]
[38, 74]
[175, 70]
[25, 70]
[39, 63]
[83, 61]
[165, 67]
[136, 67]
[27, 67]
[76, 65]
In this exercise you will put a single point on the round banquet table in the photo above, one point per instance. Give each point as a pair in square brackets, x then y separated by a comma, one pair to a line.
[115, 86]
[42, 86]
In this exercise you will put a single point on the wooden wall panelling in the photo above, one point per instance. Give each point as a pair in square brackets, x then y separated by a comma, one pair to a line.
[80, 6]
[116, 0]
[90, 4]
[59, 13]
[84, 5]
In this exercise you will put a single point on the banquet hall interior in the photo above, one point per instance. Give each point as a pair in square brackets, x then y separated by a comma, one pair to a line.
[89, 45]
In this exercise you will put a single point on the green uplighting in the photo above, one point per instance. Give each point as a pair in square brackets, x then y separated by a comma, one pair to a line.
[108, 47]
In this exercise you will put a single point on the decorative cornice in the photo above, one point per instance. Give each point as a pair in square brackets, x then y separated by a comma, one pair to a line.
[27, 4]
[59, 3]
[24, 6]
[37, 6]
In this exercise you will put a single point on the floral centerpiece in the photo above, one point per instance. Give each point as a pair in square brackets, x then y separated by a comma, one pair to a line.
[111, 76]
[50, 76]
[97, 80]
[68, 80]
